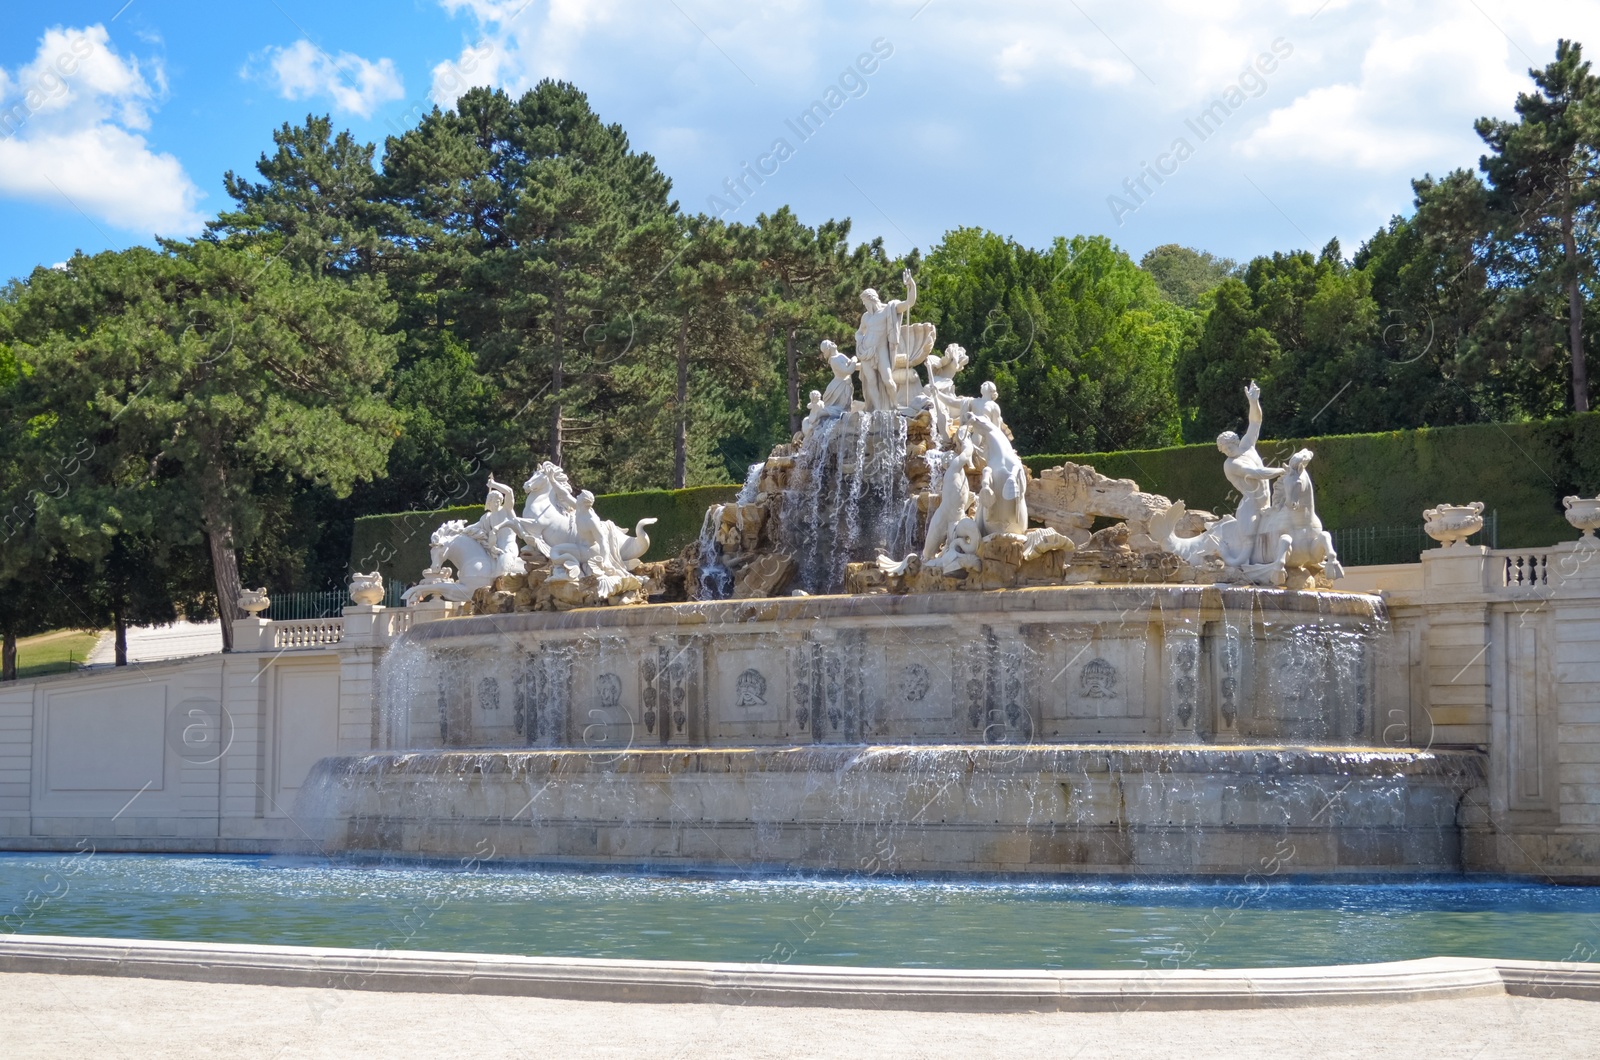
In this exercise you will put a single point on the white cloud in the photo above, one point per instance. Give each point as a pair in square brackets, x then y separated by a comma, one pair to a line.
[70, 125]
[688, 42]
[355, 85]
[1420, 79]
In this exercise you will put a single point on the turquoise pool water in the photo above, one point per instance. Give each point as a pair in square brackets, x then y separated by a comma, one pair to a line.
[892, 923]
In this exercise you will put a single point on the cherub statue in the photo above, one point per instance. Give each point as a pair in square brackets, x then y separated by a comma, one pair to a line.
[987, 405]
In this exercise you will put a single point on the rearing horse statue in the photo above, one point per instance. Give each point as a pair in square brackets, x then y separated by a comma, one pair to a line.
[550, 522]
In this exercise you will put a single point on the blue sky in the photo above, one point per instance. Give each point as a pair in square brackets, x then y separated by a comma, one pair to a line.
[1036, 118]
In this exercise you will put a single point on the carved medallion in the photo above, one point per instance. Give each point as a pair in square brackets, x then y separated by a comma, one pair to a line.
[1098, 680]
[750, 688]
[914, 682]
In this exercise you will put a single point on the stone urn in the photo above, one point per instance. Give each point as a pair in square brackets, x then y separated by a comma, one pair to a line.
[254, 601]
[366, 589]
[1452, 524]
[1584, 514]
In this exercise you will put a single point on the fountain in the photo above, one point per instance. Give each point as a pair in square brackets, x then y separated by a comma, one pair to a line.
[898, 651]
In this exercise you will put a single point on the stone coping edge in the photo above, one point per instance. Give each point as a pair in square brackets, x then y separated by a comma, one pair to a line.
[945, 990]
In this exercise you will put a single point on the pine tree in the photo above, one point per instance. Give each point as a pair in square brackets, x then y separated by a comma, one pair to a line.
[1543, 174]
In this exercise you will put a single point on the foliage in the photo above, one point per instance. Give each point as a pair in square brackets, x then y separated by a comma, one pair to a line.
[376, 328]
[203, 381]
[1077, 338]
[1184, 275]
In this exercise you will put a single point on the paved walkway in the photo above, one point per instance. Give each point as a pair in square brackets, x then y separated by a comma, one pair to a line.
[153, 643]
[52, 1016]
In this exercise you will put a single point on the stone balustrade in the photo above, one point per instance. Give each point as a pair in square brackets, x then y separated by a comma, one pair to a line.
[307, 633]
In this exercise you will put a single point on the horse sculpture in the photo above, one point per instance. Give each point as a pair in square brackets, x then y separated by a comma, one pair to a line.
[474, 568]
[550, 523]
[1289, 543]
[1291, 534]
[1003, 498]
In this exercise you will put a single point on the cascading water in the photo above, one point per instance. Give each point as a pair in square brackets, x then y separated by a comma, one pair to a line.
[752, 483]
[713, 579]
[846, 498]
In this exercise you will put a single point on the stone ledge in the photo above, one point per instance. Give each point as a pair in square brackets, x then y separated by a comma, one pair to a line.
[949, 990]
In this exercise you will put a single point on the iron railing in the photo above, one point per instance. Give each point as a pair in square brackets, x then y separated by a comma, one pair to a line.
[326, 603]
[1365, 546]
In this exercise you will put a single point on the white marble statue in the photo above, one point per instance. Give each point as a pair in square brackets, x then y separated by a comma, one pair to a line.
[478, 552]
[1003, 498]
[888, 348]
[940, 392]
[496, 530]
[987, 405]
[1290, 531]
[960, 550]
[1273, 532]
[564, 528]
[841, 392]
[816, 412]
[556, 524]
[955, 497]
[1252, 478]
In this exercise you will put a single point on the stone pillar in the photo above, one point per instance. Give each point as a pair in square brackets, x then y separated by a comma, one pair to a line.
[1456, 643]
[252, 634]
[361, 726]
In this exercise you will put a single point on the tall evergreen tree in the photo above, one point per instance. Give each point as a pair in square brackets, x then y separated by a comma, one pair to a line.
[316, 206]
[519, 210]
[801, 266]
[1543, 172]
[1078, 339]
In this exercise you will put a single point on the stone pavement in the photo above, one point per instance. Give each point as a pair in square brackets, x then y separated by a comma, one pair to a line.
[53, 1016]
[153, 643]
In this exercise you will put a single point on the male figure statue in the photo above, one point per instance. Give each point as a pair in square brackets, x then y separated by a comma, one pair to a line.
[882, 338]
[1253, 480]
[496, 529]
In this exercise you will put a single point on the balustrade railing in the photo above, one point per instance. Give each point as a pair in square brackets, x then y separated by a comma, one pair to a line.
[1525, 570]
[307, 633]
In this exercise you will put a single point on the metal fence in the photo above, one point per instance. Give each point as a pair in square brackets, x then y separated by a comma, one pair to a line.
[1362, 546]
[328, 603]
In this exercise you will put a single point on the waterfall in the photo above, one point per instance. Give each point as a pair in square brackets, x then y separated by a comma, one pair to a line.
[752, 481]
[846, 498]
[713, 579]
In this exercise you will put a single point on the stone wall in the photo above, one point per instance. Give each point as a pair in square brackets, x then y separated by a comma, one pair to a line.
[1491, 655]
[1139, 664]
[194, 755]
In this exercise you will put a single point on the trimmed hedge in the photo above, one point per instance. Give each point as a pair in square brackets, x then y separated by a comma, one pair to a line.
[1520, 470]
[397, 544]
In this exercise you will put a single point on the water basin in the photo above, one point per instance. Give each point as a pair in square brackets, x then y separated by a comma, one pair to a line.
[1079, 924]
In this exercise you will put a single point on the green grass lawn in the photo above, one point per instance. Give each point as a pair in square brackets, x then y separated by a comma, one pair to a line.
[53, 653]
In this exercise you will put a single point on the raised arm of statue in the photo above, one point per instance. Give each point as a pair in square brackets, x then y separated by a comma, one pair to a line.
[1253, 394]
[905, 304]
